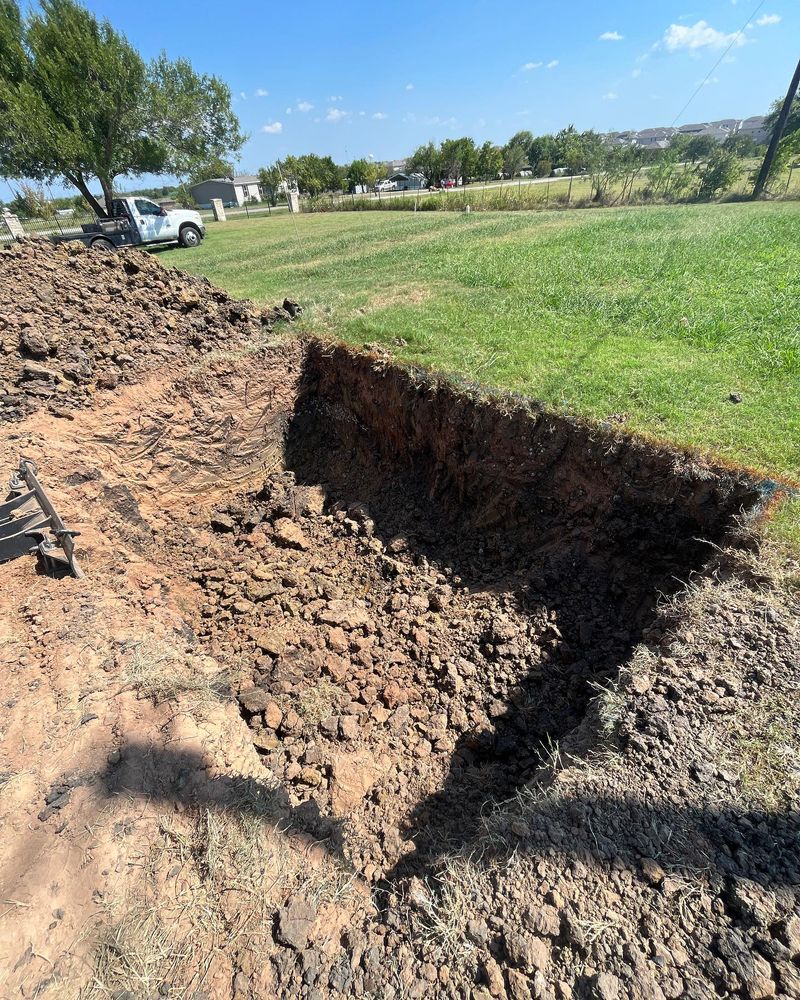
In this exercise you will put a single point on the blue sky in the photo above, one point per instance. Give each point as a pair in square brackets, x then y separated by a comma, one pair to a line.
[322, 78]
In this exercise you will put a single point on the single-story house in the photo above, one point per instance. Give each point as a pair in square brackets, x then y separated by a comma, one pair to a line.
[409, 182]
[232, 191]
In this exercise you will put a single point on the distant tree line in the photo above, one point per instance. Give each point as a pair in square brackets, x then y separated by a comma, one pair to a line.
[715, 166]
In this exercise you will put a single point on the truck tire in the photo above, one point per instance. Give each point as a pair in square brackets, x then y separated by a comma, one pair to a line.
[189, 236]
[101, 243]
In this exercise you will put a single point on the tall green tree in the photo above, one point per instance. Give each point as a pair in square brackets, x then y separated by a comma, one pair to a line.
[514, 159]
[490, 162]
[459, 158]
[428, 161]
[269, 180]
[362, 173]
[542, 151]
[313, 174]
[78, 102]
[524, 138]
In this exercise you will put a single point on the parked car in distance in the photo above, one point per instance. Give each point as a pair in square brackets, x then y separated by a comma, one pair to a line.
[386, 185]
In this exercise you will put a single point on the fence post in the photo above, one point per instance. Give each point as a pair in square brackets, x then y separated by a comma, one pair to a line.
[13, 225]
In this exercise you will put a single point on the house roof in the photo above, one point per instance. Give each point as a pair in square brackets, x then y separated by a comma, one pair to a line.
[239, 179]
[660, 131]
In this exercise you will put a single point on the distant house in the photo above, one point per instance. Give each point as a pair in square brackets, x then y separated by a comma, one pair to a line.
[231, 191]
[409, 182]
[655, 138]
[754, 127]
[661, 137]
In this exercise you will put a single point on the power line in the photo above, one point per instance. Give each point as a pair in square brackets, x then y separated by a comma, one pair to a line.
[733, 41]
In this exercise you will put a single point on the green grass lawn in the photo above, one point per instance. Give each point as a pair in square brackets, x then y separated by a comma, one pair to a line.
[656, 313]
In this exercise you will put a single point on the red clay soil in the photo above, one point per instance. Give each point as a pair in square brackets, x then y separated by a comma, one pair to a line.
[375, 686]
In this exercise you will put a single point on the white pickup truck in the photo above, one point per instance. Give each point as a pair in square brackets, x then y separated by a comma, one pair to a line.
[139, 222]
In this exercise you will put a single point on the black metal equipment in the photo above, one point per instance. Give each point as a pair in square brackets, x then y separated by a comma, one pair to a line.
[29, 523]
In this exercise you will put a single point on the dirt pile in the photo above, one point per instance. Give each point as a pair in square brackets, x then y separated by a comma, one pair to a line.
[75, 320]
[380, 688]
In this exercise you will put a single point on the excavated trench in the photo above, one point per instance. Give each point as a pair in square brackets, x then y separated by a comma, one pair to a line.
[428, 587]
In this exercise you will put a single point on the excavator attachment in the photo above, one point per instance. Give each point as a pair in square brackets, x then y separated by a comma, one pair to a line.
[29, 523]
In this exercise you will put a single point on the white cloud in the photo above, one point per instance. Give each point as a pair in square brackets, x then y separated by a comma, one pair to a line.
[335, 98]
[707, 83]
[379, 116]
[288, 111]
[261, 93]
[335, 115]
[766, 19]
[532, 65]
[699, 36]
[432, 120]
[242, 95]
[409, 86]
[611, 36]
[610, 96]
[552, 64]
[272, 128]
[304, 106]
[636, 72]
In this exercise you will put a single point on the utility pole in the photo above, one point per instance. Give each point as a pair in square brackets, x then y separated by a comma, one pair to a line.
[777, 134]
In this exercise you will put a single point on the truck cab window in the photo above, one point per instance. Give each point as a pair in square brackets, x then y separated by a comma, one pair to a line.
[145, 207]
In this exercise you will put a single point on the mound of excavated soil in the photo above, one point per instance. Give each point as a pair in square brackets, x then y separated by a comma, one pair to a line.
[379, 688]
[74, 320]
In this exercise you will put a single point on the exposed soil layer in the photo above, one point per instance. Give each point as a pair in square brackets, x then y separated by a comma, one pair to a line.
[379, 687]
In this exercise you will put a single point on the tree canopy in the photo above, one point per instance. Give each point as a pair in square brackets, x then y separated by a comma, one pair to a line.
[314, 174]
[77, 101]
[362, 174]
[793, 121]
[211, 169]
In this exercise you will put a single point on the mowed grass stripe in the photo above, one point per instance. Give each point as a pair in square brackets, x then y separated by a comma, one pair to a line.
[653, 314]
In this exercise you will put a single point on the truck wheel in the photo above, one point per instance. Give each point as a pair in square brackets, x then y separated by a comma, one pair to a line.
[101, 243]
[189, 236]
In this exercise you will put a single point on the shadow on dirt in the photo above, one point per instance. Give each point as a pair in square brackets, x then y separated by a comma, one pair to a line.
[181, 776]
[760, 846]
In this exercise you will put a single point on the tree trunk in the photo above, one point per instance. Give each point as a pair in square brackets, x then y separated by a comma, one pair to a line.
[80, 184]
[108, 193]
